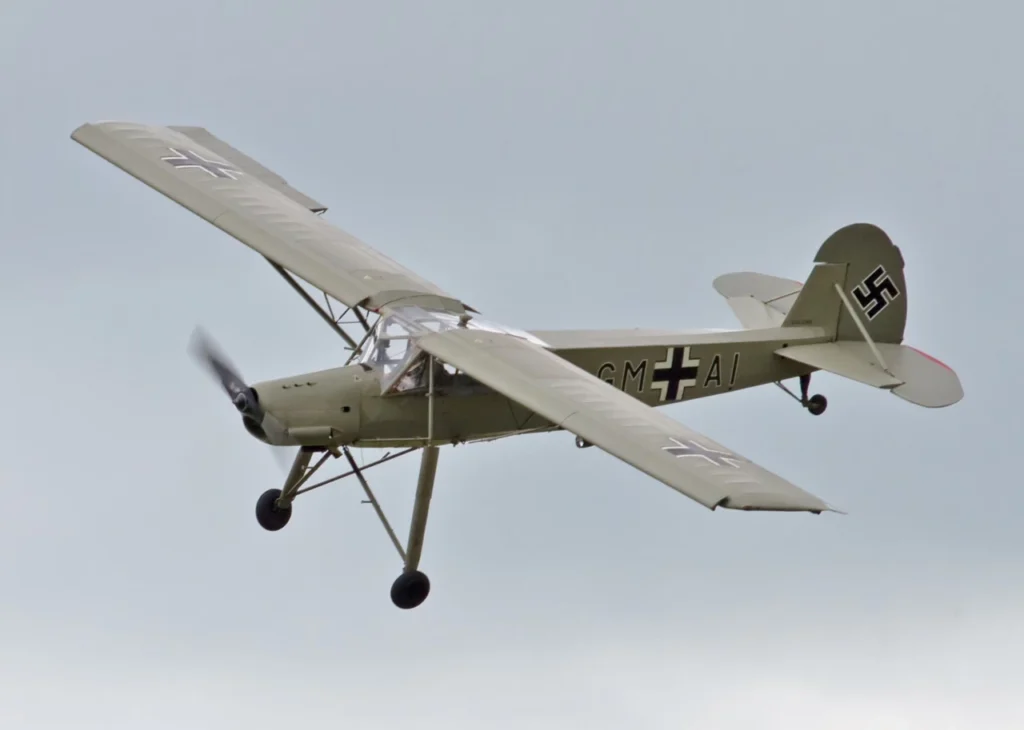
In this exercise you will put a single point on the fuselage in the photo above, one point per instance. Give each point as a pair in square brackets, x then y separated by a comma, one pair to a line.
[346, 405]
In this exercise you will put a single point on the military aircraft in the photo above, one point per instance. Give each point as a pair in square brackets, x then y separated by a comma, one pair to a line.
[427, 370]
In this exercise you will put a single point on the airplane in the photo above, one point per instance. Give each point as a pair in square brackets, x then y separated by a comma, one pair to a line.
[427, 370]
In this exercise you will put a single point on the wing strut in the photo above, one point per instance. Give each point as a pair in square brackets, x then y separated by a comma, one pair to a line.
[361, 318]
[331, 322]
[373, 500]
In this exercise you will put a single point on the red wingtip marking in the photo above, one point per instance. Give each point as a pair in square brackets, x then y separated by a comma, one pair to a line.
[933, 359]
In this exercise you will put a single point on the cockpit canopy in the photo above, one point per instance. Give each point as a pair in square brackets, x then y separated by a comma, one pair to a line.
[392, 350]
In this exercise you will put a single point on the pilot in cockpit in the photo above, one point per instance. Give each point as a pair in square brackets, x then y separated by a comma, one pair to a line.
[416, 375]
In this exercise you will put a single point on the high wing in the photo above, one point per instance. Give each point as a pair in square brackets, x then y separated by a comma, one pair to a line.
[241, 197]
[617, 423]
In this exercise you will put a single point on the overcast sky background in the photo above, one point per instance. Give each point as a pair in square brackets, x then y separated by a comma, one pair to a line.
[555, 164]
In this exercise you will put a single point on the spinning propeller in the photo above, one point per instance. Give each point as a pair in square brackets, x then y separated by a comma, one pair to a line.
[246, 401]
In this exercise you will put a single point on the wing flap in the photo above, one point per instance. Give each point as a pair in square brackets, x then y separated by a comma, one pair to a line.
[251, 205]
[641, 436]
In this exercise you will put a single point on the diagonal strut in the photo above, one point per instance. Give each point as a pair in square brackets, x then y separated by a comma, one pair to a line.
[373, 500]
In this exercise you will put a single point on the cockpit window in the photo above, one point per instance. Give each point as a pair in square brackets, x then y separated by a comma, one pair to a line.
[392, 353]
[394, 327]
[391, 348]
[415, 376]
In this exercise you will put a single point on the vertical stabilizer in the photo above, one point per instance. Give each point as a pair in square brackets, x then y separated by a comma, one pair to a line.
[868, 267]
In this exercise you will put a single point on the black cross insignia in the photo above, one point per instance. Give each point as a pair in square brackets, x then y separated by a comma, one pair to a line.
[875, 292]
[681, 450]
[675, 373]
[188, 158]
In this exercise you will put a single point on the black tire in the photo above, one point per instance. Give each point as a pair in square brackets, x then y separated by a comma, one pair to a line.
[817, 404]
[410, 590]
[268, 514]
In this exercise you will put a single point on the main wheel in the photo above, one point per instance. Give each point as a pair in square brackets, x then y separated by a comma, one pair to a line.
[410, 589]
[817, 404]
[581, 444]
[268, 514]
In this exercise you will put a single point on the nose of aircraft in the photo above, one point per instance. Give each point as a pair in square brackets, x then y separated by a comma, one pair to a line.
[315, 409]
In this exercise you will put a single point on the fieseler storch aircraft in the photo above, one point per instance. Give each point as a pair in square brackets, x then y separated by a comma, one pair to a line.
[426, 370]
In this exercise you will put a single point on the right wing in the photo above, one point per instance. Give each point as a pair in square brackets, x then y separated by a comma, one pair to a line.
[610, 419]
[246, 200]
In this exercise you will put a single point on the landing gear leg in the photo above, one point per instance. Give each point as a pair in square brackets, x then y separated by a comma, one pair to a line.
[274, 507]
[815, 404]
[412, 587]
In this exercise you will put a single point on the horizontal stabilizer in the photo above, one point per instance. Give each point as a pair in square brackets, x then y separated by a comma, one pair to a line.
[927, 381]
[907, 372]
[758, 300]
[851, 360]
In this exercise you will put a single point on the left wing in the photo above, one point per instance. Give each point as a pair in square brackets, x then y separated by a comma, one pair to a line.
[246, 200]
[617, 423]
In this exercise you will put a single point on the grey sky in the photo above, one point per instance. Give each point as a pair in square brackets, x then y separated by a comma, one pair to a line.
[555, 164]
